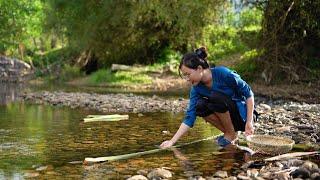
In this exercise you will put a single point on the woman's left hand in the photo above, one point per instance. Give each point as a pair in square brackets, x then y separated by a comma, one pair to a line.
[249, 129]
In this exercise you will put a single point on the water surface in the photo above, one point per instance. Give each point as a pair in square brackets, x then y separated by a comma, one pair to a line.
[34, 136]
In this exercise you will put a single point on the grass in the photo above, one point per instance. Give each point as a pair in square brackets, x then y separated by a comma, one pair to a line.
[105, 76]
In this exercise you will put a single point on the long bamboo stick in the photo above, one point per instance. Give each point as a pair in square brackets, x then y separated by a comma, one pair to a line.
[127, 156]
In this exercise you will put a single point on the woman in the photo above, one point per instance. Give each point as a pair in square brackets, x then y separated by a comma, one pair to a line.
[218, 95]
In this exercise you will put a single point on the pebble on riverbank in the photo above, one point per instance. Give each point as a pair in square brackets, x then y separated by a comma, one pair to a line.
[289, 169]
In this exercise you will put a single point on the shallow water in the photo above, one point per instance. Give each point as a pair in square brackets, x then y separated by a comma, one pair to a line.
[34, 136]
[51, 142]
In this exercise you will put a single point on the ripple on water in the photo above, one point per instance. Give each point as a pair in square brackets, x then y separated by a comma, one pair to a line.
[15, 148]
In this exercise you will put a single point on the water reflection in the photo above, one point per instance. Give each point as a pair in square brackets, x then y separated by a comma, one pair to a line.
[38, 136]
[9, 92]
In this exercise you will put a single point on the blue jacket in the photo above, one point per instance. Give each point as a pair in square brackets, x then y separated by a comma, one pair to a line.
[223, 80]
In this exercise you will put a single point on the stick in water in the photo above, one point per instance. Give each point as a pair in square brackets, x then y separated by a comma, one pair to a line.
[291, 155]
[127, 156]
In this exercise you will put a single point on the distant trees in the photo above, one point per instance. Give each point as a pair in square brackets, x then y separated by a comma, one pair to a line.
[20, 25]
[91, 32]
[130, 31]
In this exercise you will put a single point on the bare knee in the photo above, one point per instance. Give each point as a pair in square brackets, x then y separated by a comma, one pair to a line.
[211, 117]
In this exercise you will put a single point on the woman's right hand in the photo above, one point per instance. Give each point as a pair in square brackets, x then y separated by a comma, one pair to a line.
[166, 144]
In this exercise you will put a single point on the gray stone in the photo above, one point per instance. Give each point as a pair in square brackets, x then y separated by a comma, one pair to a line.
[41, 168]
[295, 162]
[252, 173]
[309, 165]
[243, 177]
[142, 172]
[221, 174]
[315, 176]
[265, 107]
[198, 178]
[300, 173]
[13, 70]
[159, 172]
[138, 177]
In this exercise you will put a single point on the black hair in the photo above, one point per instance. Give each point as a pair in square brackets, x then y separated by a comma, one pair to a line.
[195, 59]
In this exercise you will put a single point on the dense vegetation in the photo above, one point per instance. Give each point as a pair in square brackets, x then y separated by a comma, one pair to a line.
[291, 40]
[276, 39]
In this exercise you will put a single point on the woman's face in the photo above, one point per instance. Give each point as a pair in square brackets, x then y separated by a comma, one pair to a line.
[193, 76]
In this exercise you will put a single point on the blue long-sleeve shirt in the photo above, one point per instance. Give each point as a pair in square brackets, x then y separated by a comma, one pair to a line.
[223, 80]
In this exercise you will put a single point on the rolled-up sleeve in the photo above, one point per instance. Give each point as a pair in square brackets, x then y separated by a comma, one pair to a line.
[190, 115]
[239, 85]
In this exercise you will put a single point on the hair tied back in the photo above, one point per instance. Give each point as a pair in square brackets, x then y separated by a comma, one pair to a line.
[201, 52]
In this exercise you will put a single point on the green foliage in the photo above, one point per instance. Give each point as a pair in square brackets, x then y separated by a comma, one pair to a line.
[69, 72]
[60, 73]
[168, 58]
[130, 31]
[247, 66]
[232, 35]
[291, 38]
[120, 77]
[250, 17]
[20, 21]
[54, 56]
[222, 41]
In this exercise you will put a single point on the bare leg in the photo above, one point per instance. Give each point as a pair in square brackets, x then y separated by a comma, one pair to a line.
[215, 121]
[226, 123]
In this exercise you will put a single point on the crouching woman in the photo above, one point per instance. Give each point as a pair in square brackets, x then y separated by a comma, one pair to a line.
[219, 95]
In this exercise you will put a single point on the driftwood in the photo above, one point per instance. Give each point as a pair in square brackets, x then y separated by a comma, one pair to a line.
[291, 155]
[120, 67]
[113, 117]
[127, 156]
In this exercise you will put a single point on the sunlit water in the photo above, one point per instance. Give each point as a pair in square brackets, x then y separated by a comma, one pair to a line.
[56, 139]
[33, 136]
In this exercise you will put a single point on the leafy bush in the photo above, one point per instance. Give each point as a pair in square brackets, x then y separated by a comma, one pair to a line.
[169, 58]
[120, 77]
[222, 41]
[247, 66]
[70, 72]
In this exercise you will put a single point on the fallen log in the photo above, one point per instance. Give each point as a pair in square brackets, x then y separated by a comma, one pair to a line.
[121, 67]
[127, 156]
[291, 155]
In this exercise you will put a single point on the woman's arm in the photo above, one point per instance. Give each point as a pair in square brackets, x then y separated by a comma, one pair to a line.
[188, 121]
[181, 131]
[249, 123]
[243, 89]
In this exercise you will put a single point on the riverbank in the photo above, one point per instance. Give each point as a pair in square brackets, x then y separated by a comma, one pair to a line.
[168, 82]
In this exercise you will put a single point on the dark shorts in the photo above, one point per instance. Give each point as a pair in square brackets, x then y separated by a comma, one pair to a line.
[221, 103]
